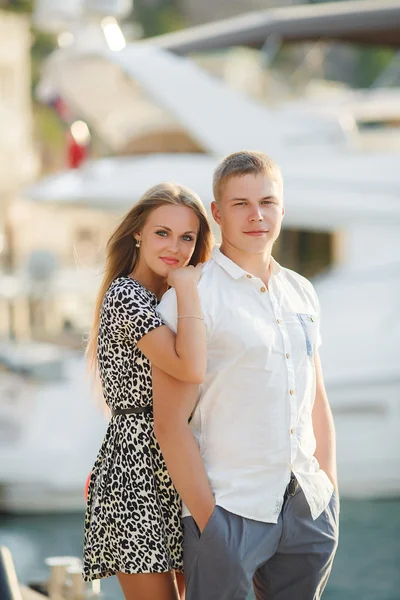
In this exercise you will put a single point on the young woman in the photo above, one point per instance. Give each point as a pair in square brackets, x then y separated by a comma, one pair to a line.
[133, 524]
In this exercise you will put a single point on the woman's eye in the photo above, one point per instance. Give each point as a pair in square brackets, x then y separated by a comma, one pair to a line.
[187, 238]
[161, 233]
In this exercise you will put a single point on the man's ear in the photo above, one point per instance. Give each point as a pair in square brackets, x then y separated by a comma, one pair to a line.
[283, 211]
[215, 211]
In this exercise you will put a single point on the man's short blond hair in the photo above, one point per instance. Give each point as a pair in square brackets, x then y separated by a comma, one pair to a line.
[243, 163]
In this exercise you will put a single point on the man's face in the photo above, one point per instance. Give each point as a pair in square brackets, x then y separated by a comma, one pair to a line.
[249, 212]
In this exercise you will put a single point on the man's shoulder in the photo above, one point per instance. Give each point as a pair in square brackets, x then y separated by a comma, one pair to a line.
[299, 282]
[209, 267]
[293, 276]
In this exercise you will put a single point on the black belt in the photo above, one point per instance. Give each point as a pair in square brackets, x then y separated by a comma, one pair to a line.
[132, 411]
[291, 487]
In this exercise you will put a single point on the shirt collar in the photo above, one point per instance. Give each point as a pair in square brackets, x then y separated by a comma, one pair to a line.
[233, 269]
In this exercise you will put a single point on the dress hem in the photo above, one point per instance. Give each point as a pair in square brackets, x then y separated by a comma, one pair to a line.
[105, 574]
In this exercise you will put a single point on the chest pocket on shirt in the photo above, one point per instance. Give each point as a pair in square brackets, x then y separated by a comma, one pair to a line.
[308, 324]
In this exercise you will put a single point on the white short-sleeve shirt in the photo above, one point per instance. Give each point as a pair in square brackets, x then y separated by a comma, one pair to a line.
[253, 421]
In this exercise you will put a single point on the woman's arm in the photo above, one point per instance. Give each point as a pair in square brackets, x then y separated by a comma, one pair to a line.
[184, 355]
[173, 403]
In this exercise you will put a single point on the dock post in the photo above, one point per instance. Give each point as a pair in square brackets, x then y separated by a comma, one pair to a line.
[9, 587]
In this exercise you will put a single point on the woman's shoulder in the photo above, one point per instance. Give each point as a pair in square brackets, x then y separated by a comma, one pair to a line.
[125, 291]
[129, 309]
[124, 283]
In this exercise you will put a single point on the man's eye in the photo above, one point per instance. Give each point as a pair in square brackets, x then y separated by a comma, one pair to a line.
[239, 204]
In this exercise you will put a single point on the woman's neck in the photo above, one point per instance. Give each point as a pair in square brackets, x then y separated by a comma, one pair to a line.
[150, 280]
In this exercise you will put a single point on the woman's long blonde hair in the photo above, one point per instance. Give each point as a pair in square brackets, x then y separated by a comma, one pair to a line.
[122, 253]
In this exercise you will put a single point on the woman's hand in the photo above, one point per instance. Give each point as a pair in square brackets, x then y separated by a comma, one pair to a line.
[183, 356]
[204, 514]
[184, 276]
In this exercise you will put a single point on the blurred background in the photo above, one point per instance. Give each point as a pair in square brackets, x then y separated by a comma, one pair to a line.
[91, 115]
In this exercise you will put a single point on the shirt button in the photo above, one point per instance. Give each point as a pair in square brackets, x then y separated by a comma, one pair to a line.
[292, 431]
[248, 276]
[278, 321]
[263, 289]
[312, 319]
[287, 355]
[291, 392]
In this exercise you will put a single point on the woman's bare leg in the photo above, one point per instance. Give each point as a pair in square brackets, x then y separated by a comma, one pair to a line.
[180, 582]
[148, 586]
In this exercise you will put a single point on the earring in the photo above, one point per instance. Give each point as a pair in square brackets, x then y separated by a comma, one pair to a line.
[137, 244]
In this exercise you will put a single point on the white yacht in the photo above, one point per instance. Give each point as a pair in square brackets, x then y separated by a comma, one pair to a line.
[50, 428]
[332, 184]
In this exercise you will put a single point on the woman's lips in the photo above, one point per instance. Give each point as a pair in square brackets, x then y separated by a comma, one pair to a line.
[169, 261]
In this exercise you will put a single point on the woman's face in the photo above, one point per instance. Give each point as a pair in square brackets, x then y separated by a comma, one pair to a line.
[168, 239]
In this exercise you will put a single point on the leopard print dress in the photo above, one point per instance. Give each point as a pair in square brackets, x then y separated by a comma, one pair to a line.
[133, 515]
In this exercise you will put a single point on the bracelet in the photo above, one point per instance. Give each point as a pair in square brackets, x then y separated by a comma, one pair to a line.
[190, 317]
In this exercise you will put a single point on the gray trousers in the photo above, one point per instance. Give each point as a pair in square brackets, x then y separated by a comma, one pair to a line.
[289, 560]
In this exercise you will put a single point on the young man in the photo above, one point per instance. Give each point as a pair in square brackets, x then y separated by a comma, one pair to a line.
[256, 467]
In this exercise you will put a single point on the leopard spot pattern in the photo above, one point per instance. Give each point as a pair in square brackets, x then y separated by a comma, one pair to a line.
[133, 515]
